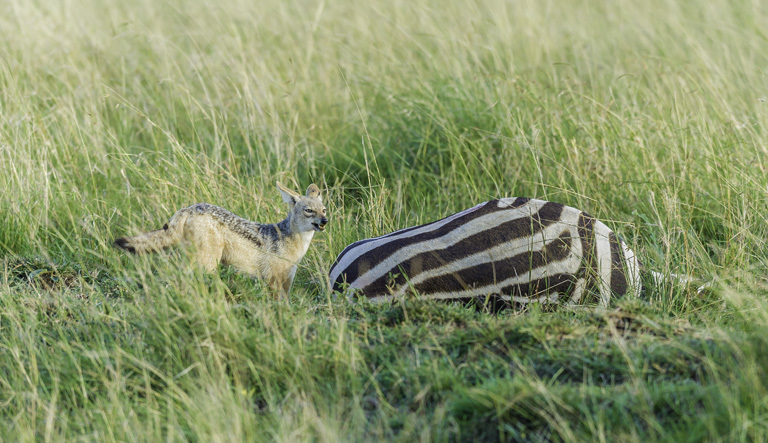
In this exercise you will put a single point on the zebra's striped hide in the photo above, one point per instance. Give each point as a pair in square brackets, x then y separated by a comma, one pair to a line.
[521, 250]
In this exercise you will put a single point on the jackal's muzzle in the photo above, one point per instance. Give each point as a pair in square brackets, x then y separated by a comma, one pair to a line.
[320, 226]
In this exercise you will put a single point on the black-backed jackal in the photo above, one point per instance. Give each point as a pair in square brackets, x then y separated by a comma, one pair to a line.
[214, 235]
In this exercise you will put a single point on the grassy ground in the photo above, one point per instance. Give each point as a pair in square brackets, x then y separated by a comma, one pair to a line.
[649, 115]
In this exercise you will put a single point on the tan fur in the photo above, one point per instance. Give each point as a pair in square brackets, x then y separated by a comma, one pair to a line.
[214, 235]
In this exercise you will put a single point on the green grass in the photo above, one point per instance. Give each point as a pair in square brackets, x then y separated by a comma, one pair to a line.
[649, 115]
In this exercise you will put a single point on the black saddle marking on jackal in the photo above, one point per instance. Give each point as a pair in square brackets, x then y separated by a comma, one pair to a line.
[250, 230]
[274, 231]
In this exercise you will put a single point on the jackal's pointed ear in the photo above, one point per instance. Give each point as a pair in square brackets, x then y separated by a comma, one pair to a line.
[288, 195]
[314, 192]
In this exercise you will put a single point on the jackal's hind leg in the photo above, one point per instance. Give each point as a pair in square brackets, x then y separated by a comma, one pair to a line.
[208, 259]
[205, 245]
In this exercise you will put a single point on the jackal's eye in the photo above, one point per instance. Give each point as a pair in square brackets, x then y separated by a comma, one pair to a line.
[308, 211]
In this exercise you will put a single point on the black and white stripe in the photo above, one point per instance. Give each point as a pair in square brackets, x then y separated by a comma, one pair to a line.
[519, 249]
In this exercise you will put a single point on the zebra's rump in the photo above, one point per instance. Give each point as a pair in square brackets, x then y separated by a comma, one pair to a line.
[519, 249]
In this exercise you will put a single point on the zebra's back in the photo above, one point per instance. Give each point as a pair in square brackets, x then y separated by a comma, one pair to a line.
[519, 249]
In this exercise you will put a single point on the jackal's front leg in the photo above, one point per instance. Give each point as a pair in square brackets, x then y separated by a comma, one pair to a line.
[286, 286]
[280, 285]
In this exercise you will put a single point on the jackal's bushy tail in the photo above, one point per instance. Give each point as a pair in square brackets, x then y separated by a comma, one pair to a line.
[154, 241]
